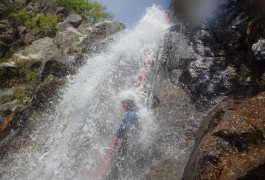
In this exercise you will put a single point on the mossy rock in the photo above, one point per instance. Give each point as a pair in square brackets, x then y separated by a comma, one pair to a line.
[7, 72]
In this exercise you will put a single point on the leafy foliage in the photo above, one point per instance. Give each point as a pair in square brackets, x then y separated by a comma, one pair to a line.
[45, 25]
[23, 80]
[89, 11]
[22, 91]
[22, 17]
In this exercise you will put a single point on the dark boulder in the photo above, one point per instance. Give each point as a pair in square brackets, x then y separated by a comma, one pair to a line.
[47, 94]
[56, 68]
[231, 142]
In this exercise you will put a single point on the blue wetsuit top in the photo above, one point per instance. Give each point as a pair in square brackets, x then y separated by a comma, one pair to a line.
[128, 121]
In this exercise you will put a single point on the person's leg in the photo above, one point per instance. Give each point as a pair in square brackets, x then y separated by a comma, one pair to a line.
[117, 160]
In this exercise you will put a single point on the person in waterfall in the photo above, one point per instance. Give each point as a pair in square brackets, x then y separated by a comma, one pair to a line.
[125, 137]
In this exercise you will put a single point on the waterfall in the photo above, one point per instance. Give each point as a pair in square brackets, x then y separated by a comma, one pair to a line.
[70, 143]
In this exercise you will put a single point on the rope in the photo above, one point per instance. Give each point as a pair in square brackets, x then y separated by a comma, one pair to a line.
[106, 161]
[105, 165]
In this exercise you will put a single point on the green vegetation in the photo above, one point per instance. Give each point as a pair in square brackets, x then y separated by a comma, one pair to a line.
[22, 91]
[19, 76]
[21, 79]
[22, 17]
[43, 25]
[89, 11]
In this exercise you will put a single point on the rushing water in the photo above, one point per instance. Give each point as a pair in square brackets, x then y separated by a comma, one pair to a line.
[71, 142]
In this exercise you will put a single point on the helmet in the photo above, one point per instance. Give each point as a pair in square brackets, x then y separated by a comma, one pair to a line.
[127, 95]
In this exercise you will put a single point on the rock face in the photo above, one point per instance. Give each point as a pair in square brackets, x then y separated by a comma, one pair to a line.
[221, 62]
[9, 32]
[221, 56]
[231, 143]
[7, 71]
[7, 35]
[74, 19]
[39, 50]
[45, 64]
[259, 50]
[69, 39]
[33, 68]
[47, 94]
[100, 31]
[164, 170]
[56, 68]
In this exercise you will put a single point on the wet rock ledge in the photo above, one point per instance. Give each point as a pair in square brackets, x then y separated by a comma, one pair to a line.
[231, 143]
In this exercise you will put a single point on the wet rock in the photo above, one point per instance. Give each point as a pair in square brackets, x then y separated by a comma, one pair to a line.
[56, 68]
[99, 32]
[74, 19]
[47, 94]
[165, 169]
[231, 142]
[200, 64]
[220, 63]
[259, 50]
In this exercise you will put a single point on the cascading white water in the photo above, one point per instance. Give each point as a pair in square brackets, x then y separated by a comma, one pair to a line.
[71, 142]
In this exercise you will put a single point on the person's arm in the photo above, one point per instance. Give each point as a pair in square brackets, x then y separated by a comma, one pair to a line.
[124, 125]
[128, 120]
[121, 131]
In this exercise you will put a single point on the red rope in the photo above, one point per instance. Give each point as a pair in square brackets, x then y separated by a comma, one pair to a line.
[107, 158]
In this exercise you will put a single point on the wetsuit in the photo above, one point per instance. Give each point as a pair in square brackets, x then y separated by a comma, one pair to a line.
[129, 121]
[126, 133]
